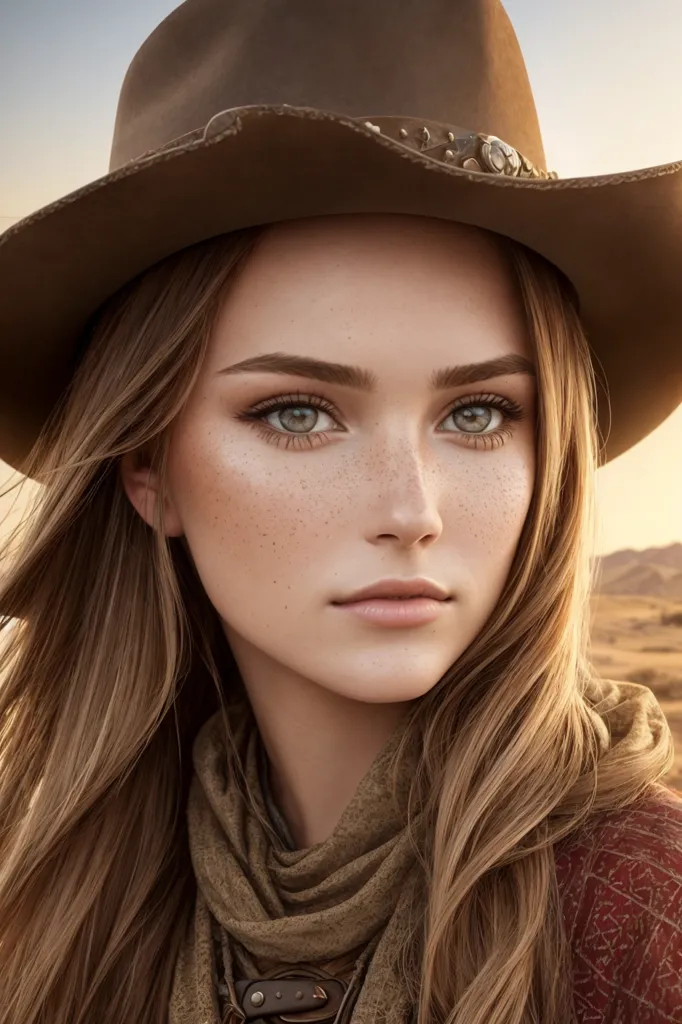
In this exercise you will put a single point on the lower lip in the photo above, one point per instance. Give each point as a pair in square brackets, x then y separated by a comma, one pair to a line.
[410, 611]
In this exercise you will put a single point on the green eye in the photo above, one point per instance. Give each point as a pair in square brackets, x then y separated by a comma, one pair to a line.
[298, 419]
[476, 419]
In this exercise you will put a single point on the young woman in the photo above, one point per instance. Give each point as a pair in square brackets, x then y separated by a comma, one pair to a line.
[298, 722]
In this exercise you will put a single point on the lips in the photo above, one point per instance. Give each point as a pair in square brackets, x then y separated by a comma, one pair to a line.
[398, 590]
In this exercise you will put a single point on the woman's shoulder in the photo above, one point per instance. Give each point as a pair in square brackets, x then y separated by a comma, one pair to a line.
[650, 829]
[621, 885]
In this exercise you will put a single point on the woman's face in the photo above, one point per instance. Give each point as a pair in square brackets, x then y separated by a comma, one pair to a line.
[365, 414]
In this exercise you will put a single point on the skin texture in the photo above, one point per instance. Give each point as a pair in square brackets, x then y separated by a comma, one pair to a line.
[394, 485]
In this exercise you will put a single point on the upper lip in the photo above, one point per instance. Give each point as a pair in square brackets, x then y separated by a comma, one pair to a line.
[398, 588]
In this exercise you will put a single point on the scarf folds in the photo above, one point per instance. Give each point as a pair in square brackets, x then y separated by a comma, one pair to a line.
[321, 906]
[350, 899]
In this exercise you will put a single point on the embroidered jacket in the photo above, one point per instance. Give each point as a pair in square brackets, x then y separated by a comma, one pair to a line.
[622, 905]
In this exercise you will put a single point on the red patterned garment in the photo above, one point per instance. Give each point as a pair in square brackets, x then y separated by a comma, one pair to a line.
[621, 885]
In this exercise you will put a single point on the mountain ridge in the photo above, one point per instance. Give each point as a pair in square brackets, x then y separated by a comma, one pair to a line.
[651, 572]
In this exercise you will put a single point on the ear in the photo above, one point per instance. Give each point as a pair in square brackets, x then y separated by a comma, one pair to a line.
[141, 484]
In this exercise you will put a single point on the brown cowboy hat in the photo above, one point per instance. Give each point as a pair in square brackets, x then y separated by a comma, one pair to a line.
[243, 112]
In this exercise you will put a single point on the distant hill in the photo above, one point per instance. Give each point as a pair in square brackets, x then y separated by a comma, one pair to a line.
[654, 572]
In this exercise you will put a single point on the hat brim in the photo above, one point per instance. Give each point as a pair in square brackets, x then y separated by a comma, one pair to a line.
[618, 238]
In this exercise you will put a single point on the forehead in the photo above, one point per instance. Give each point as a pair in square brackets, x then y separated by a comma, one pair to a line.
[375, 289]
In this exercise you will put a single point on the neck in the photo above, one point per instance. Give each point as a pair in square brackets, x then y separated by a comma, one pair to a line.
[320, 745]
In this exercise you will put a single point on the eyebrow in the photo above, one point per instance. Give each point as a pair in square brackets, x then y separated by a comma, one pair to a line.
[363, 380]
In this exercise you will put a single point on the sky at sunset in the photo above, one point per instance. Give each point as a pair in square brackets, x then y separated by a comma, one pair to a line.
[606, 77]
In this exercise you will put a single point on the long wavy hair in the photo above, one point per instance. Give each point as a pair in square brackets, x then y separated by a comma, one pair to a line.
[114, 657]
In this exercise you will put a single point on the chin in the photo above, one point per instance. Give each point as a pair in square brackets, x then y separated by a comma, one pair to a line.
[385, 683]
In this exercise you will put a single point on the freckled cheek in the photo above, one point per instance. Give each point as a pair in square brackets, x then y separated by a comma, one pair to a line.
[241, 514]
[487, 507]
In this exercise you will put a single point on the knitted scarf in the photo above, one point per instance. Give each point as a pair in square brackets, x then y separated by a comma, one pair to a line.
[345, 904]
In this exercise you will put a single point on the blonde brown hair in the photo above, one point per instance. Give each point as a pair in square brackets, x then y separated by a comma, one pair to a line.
[118, 658]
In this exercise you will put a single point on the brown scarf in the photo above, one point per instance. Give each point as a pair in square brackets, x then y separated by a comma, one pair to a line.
[344, 904]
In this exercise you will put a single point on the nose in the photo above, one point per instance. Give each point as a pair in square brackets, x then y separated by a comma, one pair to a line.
[404, 510]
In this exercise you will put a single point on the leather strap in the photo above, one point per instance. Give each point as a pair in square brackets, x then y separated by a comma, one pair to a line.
[293, 999]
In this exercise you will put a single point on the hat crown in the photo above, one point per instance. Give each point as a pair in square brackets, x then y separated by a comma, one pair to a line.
[452, 61]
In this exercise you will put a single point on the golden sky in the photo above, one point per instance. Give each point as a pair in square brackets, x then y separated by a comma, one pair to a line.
[605, 74]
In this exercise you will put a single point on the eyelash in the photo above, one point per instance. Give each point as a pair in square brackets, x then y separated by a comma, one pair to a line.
[254, 416]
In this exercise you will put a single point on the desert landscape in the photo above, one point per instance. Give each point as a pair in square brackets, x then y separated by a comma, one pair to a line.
[637, 629]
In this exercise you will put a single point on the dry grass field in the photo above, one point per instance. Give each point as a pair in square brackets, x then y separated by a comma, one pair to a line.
[639, 639]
